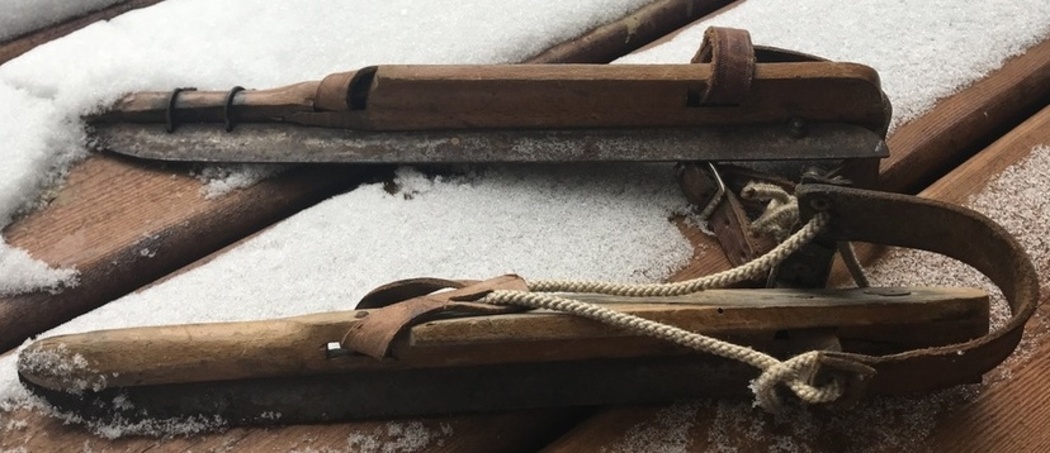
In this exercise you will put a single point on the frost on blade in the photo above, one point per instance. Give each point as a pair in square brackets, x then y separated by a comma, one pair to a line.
[159, 428]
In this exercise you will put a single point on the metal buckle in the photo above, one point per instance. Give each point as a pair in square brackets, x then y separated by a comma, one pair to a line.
[719, 195]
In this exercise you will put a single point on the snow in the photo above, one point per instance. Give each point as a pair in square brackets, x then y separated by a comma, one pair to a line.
[257, 44]
[592, 222]
[924, 50]
[1016, 199]
[23, 16]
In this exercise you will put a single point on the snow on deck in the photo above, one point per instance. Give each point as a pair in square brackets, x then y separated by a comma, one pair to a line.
[257, 44]
[23, 16]
[604, 221]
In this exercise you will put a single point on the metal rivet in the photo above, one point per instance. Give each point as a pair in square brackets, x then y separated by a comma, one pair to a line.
[798, 128]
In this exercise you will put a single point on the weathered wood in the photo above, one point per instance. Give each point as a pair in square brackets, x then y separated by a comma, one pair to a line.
[922, 317]
[926, 148]
[1004, 417]
[114, 265]
[19, 45]
[113, 208]
[996, 421]
[426, 97]
[960, 125]
[158, 217]
[47, 434]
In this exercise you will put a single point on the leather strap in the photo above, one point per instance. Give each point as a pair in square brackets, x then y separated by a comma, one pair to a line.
[855, 215]
[373, 334]
[950, 230]
[730, 51]
[733, 65]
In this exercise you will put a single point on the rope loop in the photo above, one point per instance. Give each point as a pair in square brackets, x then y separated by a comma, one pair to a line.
[794, 373]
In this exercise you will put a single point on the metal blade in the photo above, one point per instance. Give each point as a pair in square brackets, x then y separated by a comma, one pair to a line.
[280, 143]
[400, 393]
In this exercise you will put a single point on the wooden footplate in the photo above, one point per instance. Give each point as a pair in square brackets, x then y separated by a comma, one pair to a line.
[245, 372]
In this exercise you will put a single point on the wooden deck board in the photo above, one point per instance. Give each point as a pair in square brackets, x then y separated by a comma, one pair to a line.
[507, 432]
[923, 150]
[994, 421]
[112, 208]
[170, 215]
[19, 45]
[125, 223]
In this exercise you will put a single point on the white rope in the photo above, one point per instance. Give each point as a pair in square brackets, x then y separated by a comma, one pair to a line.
[781, 212]
[791, 372]
[758, 267]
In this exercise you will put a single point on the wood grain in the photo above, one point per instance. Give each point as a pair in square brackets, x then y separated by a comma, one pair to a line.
[519, 430]
[19, 45]
[162, 213]
[290, 346]
[960, 125]
[1002, 418]
[925, 149]
[428, 97]
[112, 209]
[523, 431]
[124, 223]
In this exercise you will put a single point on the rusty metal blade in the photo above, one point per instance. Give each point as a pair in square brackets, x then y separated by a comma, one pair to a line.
[277, 143]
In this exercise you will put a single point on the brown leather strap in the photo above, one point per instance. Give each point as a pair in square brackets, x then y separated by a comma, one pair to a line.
[954, 231]
[373, 334]
[729, 221]
[733, 65]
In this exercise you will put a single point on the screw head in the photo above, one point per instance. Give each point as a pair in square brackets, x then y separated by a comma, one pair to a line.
[820, 204]
[798, 128]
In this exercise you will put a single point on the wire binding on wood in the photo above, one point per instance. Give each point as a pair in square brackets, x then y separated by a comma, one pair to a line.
[169, 115]
[227, 108]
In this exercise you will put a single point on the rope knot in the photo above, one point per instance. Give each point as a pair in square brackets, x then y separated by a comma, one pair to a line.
[845, 380]
[781, 214]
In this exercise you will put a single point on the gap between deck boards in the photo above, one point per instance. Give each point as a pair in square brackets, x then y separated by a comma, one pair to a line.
[261, 438]
[171, 218]
[989, 423]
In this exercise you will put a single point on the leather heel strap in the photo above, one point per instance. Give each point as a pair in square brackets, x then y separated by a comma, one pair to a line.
[950, 230]
[732, 59]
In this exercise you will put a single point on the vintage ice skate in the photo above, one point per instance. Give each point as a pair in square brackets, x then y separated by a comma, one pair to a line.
[508, 343]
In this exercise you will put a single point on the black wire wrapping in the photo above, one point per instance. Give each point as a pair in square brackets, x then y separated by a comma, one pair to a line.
[169, 115]
[227, 108]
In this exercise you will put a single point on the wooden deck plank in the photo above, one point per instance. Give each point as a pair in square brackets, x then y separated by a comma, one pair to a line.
[923, 150]
[19, 45]
[124, 223]
[524, 431]
[290, 437]
[993, 421]
[113, 208]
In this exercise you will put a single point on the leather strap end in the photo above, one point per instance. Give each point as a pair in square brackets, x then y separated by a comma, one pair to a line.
[375, 333]
[732, 57]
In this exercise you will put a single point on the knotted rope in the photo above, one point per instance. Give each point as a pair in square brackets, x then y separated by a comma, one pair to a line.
[792, 372]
